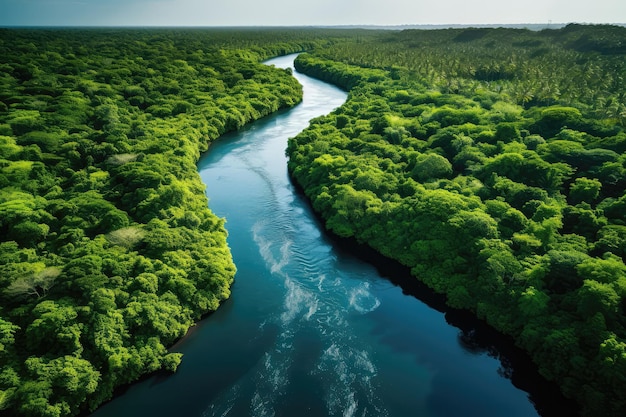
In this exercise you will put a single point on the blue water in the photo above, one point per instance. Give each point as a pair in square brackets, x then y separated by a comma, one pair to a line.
[310, 330]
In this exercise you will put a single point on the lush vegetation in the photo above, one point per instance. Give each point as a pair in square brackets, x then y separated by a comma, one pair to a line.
[492, 162]
[108, 251]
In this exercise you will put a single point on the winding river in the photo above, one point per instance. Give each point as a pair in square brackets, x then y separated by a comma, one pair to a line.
[311, 329]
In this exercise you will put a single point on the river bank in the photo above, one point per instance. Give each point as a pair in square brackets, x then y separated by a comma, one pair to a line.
[310, 328]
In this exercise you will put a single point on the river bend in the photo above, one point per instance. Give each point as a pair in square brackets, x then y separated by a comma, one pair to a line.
[310, 330]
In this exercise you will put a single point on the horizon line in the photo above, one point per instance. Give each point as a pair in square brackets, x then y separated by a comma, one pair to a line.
[364, 25]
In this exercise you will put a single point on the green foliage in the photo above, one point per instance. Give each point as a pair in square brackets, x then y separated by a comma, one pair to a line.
[489, 161]
[171, 361]
[584, 189]
[108, 251]
[62, 384]
[430, 166]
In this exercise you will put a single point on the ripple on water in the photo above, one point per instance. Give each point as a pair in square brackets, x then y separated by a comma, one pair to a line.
[319, 299]
[362, 300]
[297, 300]
[349, 373]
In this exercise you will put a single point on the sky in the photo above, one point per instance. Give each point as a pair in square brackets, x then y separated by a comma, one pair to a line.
[305, 12]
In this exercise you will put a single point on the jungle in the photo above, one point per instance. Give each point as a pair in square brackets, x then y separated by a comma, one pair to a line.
[108, 251]
[488, 160]
[491, 162]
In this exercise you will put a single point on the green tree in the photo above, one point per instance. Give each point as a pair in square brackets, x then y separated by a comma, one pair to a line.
[584, 189]
[54, 329]
[430, 166]
[596, 297]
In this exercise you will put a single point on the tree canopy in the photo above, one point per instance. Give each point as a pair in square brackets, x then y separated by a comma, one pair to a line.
[108, 250]
[490, 162]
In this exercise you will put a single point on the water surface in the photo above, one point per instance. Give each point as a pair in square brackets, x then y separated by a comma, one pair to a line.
[310, 329]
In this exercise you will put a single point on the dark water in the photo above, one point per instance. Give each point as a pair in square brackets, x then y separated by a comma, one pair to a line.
[311, 330]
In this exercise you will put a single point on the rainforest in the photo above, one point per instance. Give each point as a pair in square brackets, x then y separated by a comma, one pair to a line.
[488, 161]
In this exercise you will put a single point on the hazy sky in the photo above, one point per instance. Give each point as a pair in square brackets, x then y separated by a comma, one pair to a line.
[305, 12]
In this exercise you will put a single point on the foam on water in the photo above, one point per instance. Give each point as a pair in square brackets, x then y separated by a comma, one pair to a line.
[319, 301]
[224, 403]
[325, 305]
[296, 300]
[260, 408]
[352, 406]
[284, 258]
[320, 282]
[312, 309]
[351, 373]
[312, 300]
[362, 300]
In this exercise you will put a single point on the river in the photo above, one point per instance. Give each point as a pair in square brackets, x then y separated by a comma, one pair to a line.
[311, 329]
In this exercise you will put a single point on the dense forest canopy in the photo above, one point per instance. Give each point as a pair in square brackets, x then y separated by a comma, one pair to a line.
[492, 163]
[108, 251]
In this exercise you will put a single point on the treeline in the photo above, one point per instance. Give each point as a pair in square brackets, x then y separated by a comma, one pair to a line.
[108, 251]
[578, 66]
[511, 204]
